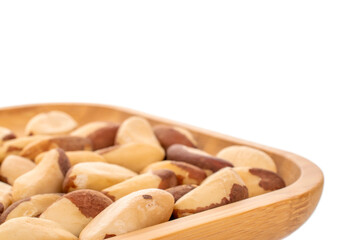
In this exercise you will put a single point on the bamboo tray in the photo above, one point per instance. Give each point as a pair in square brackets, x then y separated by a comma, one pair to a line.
[269, 216]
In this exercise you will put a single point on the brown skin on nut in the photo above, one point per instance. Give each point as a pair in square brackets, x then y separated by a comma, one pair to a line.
[179, 152]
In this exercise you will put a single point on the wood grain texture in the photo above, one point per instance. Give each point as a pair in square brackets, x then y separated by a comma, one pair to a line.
[269, 216]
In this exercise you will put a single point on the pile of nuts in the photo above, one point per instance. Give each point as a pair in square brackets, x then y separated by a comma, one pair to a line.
[104, 179]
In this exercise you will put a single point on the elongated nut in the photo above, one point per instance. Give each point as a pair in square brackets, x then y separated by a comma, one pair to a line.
[31, 228]
[136, 130]
[46, 177]
[196, 157]
[134, 156]
[180, 191]
[5, 196]
[50, 123]
[15, 146]
[76, 157]
[76, 209]
[135, 211]
[169, 135]
[207, 195]
[259, 181]
[29, 207]
[242, 156]
[67, 143]
[6, 134]
[13, 167]
[185, 173]
[95, 175]
[161, 179]
[101, 134]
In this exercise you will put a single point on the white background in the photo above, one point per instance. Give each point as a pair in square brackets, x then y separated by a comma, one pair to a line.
[280, 73]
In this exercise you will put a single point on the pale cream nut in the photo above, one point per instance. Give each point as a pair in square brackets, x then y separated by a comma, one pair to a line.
[101, 134]
[161, 179]
[5, 196]
[223, 187]
[259, 181]
[185, 173]
[95, 175]
[5, 135]
[134, 156]
[13, 167]
[136, 130]
[29, 207]
[76, 209]
[31, 228]
[243, 156]
[135, 211]
[50, 123]
[46, 177]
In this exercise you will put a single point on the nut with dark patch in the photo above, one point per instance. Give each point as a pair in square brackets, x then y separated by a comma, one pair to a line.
[29, 207]
[162, 179]
[185, 172]
[199, 158]
[76, 209]
[14, 166]
[181, 190]
[136, 147]
[50, 123]
[46, 177]
[101, 134]
[67, 143]
[5, 196]
[5, 135]
[207, 195]
[31, 228]
[130, 213]
[259, 181]
[243, 156]
[95, 175]
[15, 146]
[169, 135]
